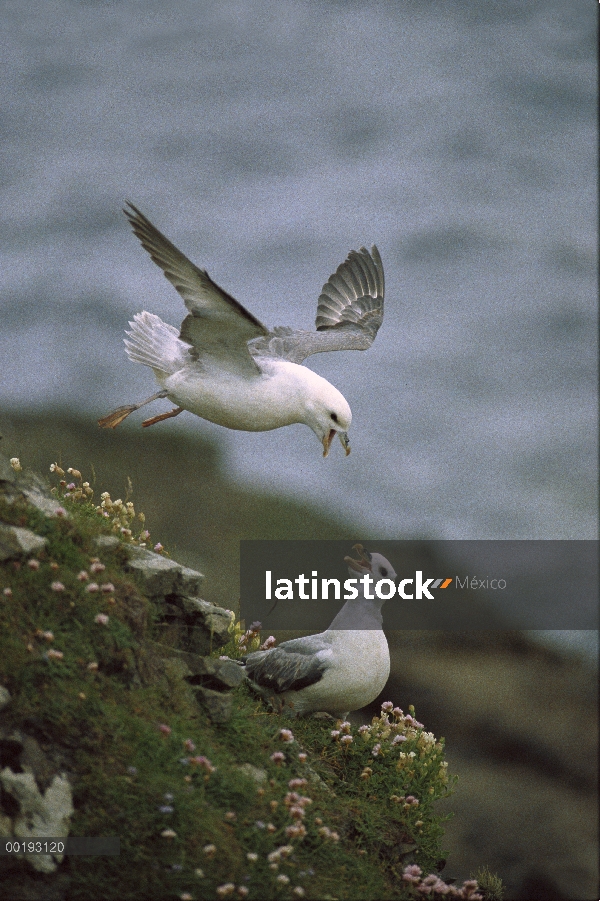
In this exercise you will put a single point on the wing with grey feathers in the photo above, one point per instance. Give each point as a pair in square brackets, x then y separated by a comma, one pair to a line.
[218, 325]
[293, 665]
[349, 313]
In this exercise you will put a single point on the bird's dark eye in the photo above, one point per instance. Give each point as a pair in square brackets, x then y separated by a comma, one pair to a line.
[334, 417]
[384, 571]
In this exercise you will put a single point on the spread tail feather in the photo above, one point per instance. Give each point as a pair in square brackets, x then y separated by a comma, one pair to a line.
[155, 344]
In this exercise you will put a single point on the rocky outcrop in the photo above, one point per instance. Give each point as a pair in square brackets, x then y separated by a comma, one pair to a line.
[35, 791]
[187, 624]
[16, 542]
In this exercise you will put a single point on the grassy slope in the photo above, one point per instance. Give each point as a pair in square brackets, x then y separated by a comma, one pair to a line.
[98, 725]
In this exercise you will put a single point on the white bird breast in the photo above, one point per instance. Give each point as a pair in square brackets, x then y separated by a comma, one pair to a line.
[275, 398]
[359, 674]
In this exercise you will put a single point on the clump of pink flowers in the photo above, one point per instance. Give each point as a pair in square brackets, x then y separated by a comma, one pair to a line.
[433, 885]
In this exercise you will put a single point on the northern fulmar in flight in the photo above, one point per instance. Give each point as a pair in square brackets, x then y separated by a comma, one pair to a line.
[226, 367]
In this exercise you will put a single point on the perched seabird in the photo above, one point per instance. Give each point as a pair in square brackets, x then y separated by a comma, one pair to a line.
[336, 671]
[225, 366]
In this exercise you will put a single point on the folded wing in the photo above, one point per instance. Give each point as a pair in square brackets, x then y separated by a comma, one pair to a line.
[292, 666]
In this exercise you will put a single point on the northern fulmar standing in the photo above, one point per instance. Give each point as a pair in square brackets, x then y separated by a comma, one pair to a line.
[225, 366]
[336, 671]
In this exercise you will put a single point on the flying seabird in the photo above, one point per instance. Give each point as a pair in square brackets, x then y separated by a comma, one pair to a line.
[226, 367]
[336, 671]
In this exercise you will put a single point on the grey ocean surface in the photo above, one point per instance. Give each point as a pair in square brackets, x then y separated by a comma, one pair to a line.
[267, 140]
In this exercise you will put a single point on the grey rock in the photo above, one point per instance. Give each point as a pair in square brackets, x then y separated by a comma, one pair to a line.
[45, 503]
[4, 697]
[210, 624]
[221, 674]
[208, 671]
[7, 473]
[190, 581]
[40, 815]
[254, 772]
[18, 542]
[22, 753]
[160, 576]
[219, 706]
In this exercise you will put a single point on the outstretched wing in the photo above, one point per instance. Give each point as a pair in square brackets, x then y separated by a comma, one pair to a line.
[289, 668]
[349, 313]
[217, 325]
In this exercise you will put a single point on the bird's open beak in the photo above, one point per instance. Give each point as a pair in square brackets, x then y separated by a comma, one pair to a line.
[363, 564]
[329, 438]
[343, 436]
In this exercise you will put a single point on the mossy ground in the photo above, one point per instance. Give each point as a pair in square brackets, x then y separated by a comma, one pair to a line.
[132, 779]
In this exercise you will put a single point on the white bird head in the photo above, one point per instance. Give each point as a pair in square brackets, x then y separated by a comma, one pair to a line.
[375, 564]
[327, 412]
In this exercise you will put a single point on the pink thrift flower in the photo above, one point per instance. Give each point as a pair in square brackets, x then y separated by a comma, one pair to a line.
[107, 588]
[57, 586]
[286, 735]
[277, 757]
[92, 587]
[82, 576]
[189, 745]
[268, 643]
[166, 730]
[54, 655]
[93, 666]
[7, 592]
[97, 567]
[158, 547]
[33, 564]
[101, 619]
